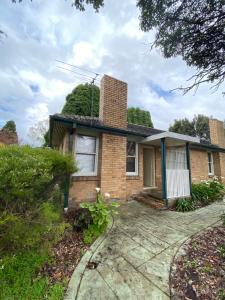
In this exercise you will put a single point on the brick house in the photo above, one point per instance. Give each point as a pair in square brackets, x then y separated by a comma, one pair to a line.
[7, 137]
[124, 159]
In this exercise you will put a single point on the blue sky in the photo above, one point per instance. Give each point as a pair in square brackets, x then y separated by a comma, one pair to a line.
[110, 42]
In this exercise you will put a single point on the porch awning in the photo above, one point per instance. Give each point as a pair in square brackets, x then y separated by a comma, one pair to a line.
[172, 138]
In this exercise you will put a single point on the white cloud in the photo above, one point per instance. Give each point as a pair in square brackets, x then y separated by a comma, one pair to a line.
[39, 32]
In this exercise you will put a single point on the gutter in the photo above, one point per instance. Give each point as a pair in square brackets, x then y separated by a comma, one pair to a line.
[213, 148]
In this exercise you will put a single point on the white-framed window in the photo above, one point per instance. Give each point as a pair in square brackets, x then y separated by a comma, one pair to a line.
[132, 158]
[86, 155]
[210, 163]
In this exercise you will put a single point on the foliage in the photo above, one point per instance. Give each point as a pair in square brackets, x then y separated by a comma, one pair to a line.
[82, 219]
[10, 126]
[27, 176]
[138, 116]
[79, 102]
[185, 204]
[221, 250]
[192, 29]
[208, 191]
[19, 279]
[79, 4]
[100, 212]
[198, 127]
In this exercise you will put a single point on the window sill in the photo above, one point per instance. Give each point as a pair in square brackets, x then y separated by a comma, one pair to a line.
[85, 178]
[132, 177]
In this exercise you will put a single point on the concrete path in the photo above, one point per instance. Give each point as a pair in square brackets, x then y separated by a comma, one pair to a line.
[135, 256]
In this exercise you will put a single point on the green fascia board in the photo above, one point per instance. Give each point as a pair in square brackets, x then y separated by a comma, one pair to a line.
[213, 148]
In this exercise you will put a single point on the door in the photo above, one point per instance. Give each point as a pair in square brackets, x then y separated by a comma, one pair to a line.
[149, 167]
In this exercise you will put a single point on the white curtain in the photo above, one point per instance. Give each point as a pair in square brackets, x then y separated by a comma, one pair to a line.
[177, 174]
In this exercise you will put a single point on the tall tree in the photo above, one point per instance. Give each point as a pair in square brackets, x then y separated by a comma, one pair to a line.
[138, 116]
[192, 29]
[198, 127]
[10, 126]
[83, 101]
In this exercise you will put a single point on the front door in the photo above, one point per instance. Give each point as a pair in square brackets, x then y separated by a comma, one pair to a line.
[149, 167]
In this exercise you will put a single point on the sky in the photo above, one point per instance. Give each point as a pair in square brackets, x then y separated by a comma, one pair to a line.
[108, 42]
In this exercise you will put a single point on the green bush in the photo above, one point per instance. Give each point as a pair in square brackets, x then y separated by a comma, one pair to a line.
[185, 204]
[100, 213]
[208, 191]
[19, 277]
[27, 176]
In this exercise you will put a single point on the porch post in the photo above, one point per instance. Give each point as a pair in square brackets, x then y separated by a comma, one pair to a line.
[188, 164]
[163, 161]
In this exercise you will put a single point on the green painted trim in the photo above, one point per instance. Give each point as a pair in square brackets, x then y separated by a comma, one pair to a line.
[163, 163]
[189, 164]
[213, 148]
[67, 184]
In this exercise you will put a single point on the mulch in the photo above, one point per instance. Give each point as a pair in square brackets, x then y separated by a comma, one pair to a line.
[66, 255]
[200, 272]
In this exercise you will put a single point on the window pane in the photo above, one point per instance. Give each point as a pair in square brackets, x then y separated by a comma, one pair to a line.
[131, 164]
[209, 158]
[131, 148]
[86, 163]
[86, 144]
[210, 168]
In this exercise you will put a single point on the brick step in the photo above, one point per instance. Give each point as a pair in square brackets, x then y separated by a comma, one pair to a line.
[150, 201]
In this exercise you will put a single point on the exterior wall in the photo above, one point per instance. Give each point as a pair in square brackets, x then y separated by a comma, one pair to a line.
[158, 169]
[113, 166]
[134, 184]
[217, 136]
[83, 189]
[7, 137]
[199, 165]
[113, 102]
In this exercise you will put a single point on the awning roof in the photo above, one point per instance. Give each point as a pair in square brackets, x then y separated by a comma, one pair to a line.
[172, 138]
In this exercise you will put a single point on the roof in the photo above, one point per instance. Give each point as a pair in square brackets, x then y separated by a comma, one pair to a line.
[132, 129]
[94, 122]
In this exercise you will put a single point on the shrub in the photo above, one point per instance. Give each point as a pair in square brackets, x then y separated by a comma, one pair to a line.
[19, 277]
[185, 204]
[208, 191]
[27, 176]
[100, 213]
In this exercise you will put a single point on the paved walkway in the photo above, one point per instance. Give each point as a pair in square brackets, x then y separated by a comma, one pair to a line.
[135, 256]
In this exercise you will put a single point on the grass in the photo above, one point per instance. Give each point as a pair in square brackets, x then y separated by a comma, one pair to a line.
[20, 280]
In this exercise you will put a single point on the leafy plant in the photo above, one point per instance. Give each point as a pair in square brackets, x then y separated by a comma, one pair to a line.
[27, 176]
[221, 250]
[100, 213]
[185, 204]
[221, 294]
[208, 191]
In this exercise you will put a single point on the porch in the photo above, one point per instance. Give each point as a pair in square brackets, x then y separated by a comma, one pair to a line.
[175, 177]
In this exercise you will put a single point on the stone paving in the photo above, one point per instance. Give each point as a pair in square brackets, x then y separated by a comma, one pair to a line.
[135, 256]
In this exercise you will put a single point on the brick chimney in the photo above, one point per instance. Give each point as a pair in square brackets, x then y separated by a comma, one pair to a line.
[113, 102]
[217, 132]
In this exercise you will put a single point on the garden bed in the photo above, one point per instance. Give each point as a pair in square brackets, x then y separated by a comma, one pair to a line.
[199, 273]
[66, 254]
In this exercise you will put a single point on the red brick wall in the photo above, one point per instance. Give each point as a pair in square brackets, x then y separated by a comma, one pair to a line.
[113, 102]
[113, 165]
[7, 137]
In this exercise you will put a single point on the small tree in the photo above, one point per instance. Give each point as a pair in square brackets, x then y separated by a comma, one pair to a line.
[198, 127]
[138, 116]
[10, 126]
[83, 101]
